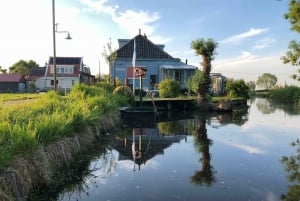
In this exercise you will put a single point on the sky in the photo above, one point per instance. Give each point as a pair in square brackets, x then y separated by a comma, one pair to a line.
[252, 35]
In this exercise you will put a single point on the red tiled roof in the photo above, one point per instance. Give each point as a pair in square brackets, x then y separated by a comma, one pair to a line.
[11, 78]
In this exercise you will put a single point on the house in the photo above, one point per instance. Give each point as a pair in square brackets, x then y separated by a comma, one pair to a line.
[152, 57]
[12, 83]
[69, 71]
[35, 77]
[218, 84]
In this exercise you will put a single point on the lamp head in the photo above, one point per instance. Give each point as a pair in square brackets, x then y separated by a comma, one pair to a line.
[68, 36]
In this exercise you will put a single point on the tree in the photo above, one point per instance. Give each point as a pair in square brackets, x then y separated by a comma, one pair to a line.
[23, 67]
[110, 56]
[251, 85]
[267, 81]
[3, 71]
[207, 50]
[293, 54]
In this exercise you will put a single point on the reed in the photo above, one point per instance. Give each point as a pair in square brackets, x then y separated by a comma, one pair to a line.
[288, 95]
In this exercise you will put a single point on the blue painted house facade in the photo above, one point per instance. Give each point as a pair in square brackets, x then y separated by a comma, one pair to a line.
[159, 64]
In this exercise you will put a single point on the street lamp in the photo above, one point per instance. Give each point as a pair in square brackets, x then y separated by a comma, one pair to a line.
[54, 42]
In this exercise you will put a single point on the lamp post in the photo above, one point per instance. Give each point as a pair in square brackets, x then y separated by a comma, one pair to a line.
[54, 24]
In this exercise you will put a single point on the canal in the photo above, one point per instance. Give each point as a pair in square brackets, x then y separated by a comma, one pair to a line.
[249, 154]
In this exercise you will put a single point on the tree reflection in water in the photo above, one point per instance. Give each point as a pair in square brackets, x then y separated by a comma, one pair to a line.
[292, 167]
[206, 175]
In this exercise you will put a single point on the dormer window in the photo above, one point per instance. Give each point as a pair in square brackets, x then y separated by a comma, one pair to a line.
[63, 69]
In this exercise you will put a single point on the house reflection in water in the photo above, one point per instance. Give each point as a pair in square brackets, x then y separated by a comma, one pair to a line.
[143, 145]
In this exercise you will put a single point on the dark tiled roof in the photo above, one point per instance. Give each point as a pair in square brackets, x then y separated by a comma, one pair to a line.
[145, 49]
[37, 71]
[11, 78]
[66, 60]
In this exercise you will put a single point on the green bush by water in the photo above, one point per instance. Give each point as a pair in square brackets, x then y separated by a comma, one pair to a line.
[169, 88]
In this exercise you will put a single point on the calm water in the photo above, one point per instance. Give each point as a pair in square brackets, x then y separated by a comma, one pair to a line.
[201, 157]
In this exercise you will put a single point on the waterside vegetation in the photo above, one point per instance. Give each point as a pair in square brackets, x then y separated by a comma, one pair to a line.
[30, 124]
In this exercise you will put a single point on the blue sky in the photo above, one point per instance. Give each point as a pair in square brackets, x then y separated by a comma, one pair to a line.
[252, 34]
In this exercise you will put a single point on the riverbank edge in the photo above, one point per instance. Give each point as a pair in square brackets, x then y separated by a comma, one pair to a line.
[39, 167]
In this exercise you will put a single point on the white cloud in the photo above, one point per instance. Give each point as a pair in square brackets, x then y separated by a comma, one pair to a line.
[249, 149]
[239, 37]
[248, 66]
[99, 6]
[263, 43]
[131, 21]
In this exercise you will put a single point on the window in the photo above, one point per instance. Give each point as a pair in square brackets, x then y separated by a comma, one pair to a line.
[52, 82]
[64, 69]
[178, 76]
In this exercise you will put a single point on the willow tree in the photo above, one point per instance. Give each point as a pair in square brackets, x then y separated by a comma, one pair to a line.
[207, 50]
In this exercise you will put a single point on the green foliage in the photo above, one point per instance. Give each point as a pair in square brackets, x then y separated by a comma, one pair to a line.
[288, 95]
[237, 88]
[206, 48]
[169, 88]
[293, 55]
[169, 128]
[267, 81]
[124, 91]
[293, 15]
[251, 85]
[194, 81]
[29, 124]
[23, 67]
[32, 87]
[292, 168]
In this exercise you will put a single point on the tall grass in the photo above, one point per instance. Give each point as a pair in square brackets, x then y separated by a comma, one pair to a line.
[288, 95]
[26, 126]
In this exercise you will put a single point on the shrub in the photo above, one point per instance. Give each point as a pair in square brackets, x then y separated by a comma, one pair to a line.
[169, 88]
[124, 91]
[237, 88]
[194, 81]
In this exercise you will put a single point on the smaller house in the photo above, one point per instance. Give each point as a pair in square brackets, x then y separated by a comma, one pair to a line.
[35, 77]
[218, 84]
[12, 83]
[180, 73]
[69, 71]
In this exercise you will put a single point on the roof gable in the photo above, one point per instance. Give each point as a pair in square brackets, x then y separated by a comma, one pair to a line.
[11, 78]
[37, 71]
[145, 49]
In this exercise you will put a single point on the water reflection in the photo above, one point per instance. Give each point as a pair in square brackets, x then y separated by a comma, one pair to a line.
[206, 175]
[73, 179]
[292, 167]
[142, 145]
[266, 106]
[137, 145]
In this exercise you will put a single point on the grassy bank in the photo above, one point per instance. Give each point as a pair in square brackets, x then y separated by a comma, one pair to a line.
[26, 126]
